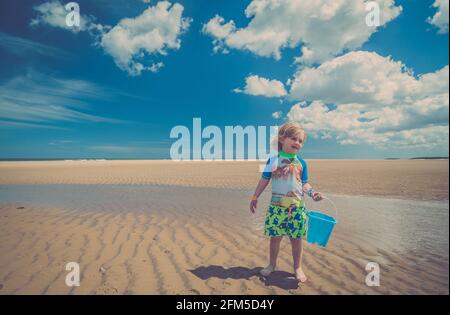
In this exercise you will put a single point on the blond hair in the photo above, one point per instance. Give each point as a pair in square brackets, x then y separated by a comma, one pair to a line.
[290, 129]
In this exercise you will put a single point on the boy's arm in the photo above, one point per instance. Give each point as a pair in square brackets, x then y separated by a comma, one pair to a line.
[306, 187]
[315, 195]
[263, 182]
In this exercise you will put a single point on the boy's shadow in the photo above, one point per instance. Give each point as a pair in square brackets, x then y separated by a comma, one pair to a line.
[281, 279]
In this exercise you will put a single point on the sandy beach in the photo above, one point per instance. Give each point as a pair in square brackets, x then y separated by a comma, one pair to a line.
[404, 179]
[164, 227]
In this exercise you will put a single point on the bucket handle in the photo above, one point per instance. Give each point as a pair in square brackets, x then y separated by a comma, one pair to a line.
[334, 206]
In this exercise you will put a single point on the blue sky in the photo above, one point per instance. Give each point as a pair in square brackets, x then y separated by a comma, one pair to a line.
[66, 94]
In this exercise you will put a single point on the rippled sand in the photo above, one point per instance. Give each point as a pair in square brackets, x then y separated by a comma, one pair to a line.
[191, 239]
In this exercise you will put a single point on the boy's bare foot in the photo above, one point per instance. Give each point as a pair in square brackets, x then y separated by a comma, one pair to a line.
[300, 275]
[267, 271]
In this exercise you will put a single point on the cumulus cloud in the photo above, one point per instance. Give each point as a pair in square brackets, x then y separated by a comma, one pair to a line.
[370, 79]
[380, 102]
[348, 125]
[322, 28]
[133, 41]
[155, 31]
[220, 30]
[440, 19]
[54, 13]
[258, 86]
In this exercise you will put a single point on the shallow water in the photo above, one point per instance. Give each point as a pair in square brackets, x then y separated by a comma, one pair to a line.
[389, 224]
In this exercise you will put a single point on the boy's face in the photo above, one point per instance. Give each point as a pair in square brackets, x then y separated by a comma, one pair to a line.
[292, 144]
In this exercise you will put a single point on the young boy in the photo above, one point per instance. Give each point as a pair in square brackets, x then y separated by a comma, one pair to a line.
[286, 214]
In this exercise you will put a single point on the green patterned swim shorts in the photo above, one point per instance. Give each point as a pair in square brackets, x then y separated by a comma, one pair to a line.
[280, 223]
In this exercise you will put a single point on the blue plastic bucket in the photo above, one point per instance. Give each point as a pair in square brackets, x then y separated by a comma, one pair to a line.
[320, 227]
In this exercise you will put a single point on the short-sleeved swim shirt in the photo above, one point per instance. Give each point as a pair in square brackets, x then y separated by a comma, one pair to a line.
[288, 173]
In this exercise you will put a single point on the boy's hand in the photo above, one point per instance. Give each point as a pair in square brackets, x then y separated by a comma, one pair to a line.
[253, 205]
[317, 196]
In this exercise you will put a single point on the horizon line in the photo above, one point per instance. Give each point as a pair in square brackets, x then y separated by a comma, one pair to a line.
[206, 160]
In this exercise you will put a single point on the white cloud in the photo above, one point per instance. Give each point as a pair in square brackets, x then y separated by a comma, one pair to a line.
[369, 79]
[133, 40]
[347, 126]
[53, 13]
[34, 99]
[22, 46]
[154, 31]
[440, 19]
[380, 102]
[8, 124]
[427, 138]
[326, 135]
[218, 28]
[277, 115]
[61, 142]
[323, 28]
[155, 67]
[259, 86]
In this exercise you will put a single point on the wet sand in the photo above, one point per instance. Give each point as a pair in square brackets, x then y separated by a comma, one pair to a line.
[404, 179]
[145, 233]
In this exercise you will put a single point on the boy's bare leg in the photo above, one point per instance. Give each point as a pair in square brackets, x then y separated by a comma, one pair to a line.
[274, 249]
[297, 254]
[273, 254]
